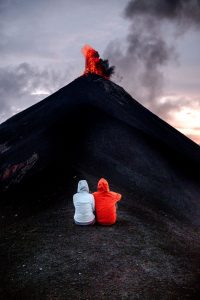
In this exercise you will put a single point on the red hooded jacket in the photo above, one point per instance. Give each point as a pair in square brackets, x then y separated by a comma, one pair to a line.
[105, 203]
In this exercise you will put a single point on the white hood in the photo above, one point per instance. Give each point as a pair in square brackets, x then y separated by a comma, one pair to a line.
[83, 186]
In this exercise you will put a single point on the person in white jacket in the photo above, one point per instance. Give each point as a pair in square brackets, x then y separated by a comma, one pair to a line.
[84, 205]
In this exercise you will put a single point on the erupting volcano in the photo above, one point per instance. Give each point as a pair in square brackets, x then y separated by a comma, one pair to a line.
[94, 64]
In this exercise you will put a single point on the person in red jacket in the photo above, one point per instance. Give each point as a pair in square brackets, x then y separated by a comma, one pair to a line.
[105, 203]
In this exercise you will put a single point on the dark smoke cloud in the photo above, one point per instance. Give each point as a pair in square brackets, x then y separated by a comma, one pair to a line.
[18, 84]
[184, 12]
[147, 50]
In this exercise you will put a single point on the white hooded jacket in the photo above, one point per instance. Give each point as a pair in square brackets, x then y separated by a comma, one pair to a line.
[83, 203]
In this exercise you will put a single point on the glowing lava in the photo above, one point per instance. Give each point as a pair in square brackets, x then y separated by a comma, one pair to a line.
[94, 64]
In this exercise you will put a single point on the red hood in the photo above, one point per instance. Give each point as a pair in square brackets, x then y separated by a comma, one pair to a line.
[103, 185]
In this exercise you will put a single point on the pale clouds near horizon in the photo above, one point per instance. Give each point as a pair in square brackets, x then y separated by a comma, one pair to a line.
[40, 44]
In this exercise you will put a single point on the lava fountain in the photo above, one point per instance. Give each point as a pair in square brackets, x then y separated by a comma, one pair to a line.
[94, 64]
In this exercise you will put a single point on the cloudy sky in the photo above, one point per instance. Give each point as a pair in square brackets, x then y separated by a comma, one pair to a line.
[154, 44]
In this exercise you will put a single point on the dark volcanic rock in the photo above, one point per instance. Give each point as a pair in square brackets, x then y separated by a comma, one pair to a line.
[90, 129]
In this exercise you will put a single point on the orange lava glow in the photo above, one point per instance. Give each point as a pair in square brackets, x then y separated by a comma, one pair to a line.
[94, 64]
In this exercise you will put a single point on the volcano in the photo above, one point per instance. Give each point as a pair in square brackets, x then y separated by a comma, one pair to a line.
[89, 129]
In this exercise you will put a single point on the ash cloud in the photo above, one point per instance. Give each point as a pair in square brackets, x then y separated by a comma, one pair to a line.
[150, 45]
[184, 12]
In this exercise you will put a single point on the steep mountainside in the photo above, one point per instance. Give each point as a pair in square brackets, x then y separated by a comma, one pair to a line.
[93, 126]
[90, 129]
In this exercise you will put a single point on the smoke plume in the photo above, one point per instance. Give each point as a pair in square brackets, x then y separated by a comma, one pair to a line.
[147, 49]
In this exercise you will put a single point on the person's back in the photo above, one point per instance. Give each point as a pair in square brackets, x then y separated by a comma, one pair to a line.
[105, 203]
[84, 205]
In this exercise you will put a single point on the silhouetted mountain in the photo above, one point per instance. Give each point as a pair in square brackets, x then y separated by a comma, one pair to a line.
[93, 126]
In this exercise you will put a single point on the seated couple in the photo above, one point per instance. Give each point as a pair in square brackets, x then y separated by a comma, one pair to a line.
[101, 203]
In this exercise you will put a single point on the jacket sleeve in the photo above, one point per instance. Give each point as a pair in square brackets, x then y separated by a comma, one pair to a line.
[93, 203]
[74, 201]
[118, 197]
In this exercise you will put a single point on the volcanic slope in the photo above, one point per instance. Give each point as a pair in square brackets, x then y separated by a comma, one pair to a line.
[90, 129]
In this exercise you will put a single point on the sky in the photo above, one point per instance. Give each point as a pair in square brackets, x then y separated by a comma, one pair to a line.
[154, 45]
